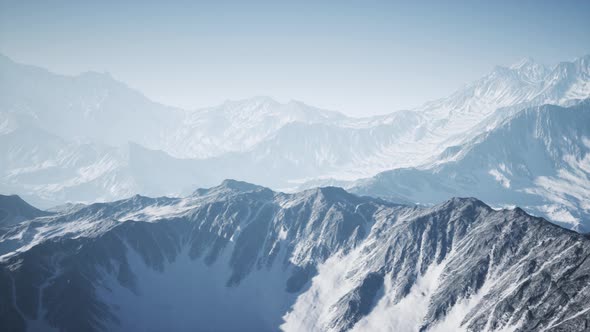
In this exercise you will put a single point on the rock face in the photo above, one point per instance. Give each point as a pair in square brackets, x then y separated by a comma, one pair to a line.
[242, 257]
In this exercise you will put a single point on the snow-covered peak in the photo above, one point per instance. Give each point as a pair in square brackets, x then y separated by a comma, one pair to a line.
[530, 70]
[525, 83]
[523, 63]
[538, 158]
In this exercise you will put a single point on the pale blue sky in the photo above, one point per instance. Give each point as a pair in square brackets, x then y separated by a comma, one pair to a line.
[359, 57]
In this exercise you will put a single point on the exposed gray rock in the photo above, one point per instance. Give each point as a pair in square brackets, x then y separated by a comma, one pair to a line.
[240, 256]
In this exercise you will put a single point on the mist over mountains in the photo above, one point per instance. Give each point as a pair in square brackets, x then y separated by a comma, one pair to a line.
[110, 233]
[91, 138]
[295, 166]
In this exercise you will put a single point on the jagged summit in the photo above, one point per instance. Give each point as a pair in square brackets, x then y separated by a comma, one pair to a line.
[523, 63]
[530, 70]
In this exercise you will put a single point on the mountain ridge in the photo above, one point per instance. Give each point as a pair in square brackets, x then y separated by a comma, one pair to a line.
[292, 142]
[358, 259]
[535, 159]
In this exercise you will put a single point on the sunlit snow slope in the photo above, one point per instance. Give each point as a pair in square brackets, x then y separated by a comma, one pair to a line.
[538, 159]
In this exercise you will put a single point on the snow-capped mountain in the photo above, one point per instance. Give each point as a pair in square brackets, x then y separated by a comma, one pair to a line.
[48, 170]
[349, 148]
[238, 126]
[242, 257]
[538, 159]
[505, 89]
[88, 107]
[92, 125]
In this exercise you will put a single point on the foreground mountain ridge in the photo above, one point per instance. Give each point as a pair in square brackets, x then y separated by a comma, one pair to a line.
[240, 256]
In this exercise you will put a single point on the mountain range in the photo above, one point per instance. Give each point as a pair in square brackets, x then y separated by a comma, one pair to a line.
[242, 257]
[538, 159]
[70, 138]
[123, 242]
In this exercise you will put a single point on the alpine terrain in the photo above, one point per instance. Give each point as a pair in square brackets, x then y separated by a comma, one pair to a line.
[242, 257]
[538, 159]
[296, 166]
[87, 138]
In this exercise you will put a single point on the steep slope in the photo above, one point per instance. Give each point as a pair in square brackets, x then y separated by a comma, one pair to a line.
[239, 256]
[523, 84]
[538, 159]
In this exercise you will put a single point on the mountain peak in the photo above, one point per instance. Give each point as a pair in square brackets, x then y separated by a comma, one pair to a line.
[530, 70]
[12, 199]
[523, 63]
[330, 193]
[230, 185]
[464, 201]
[238, 185]
[13, 209]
